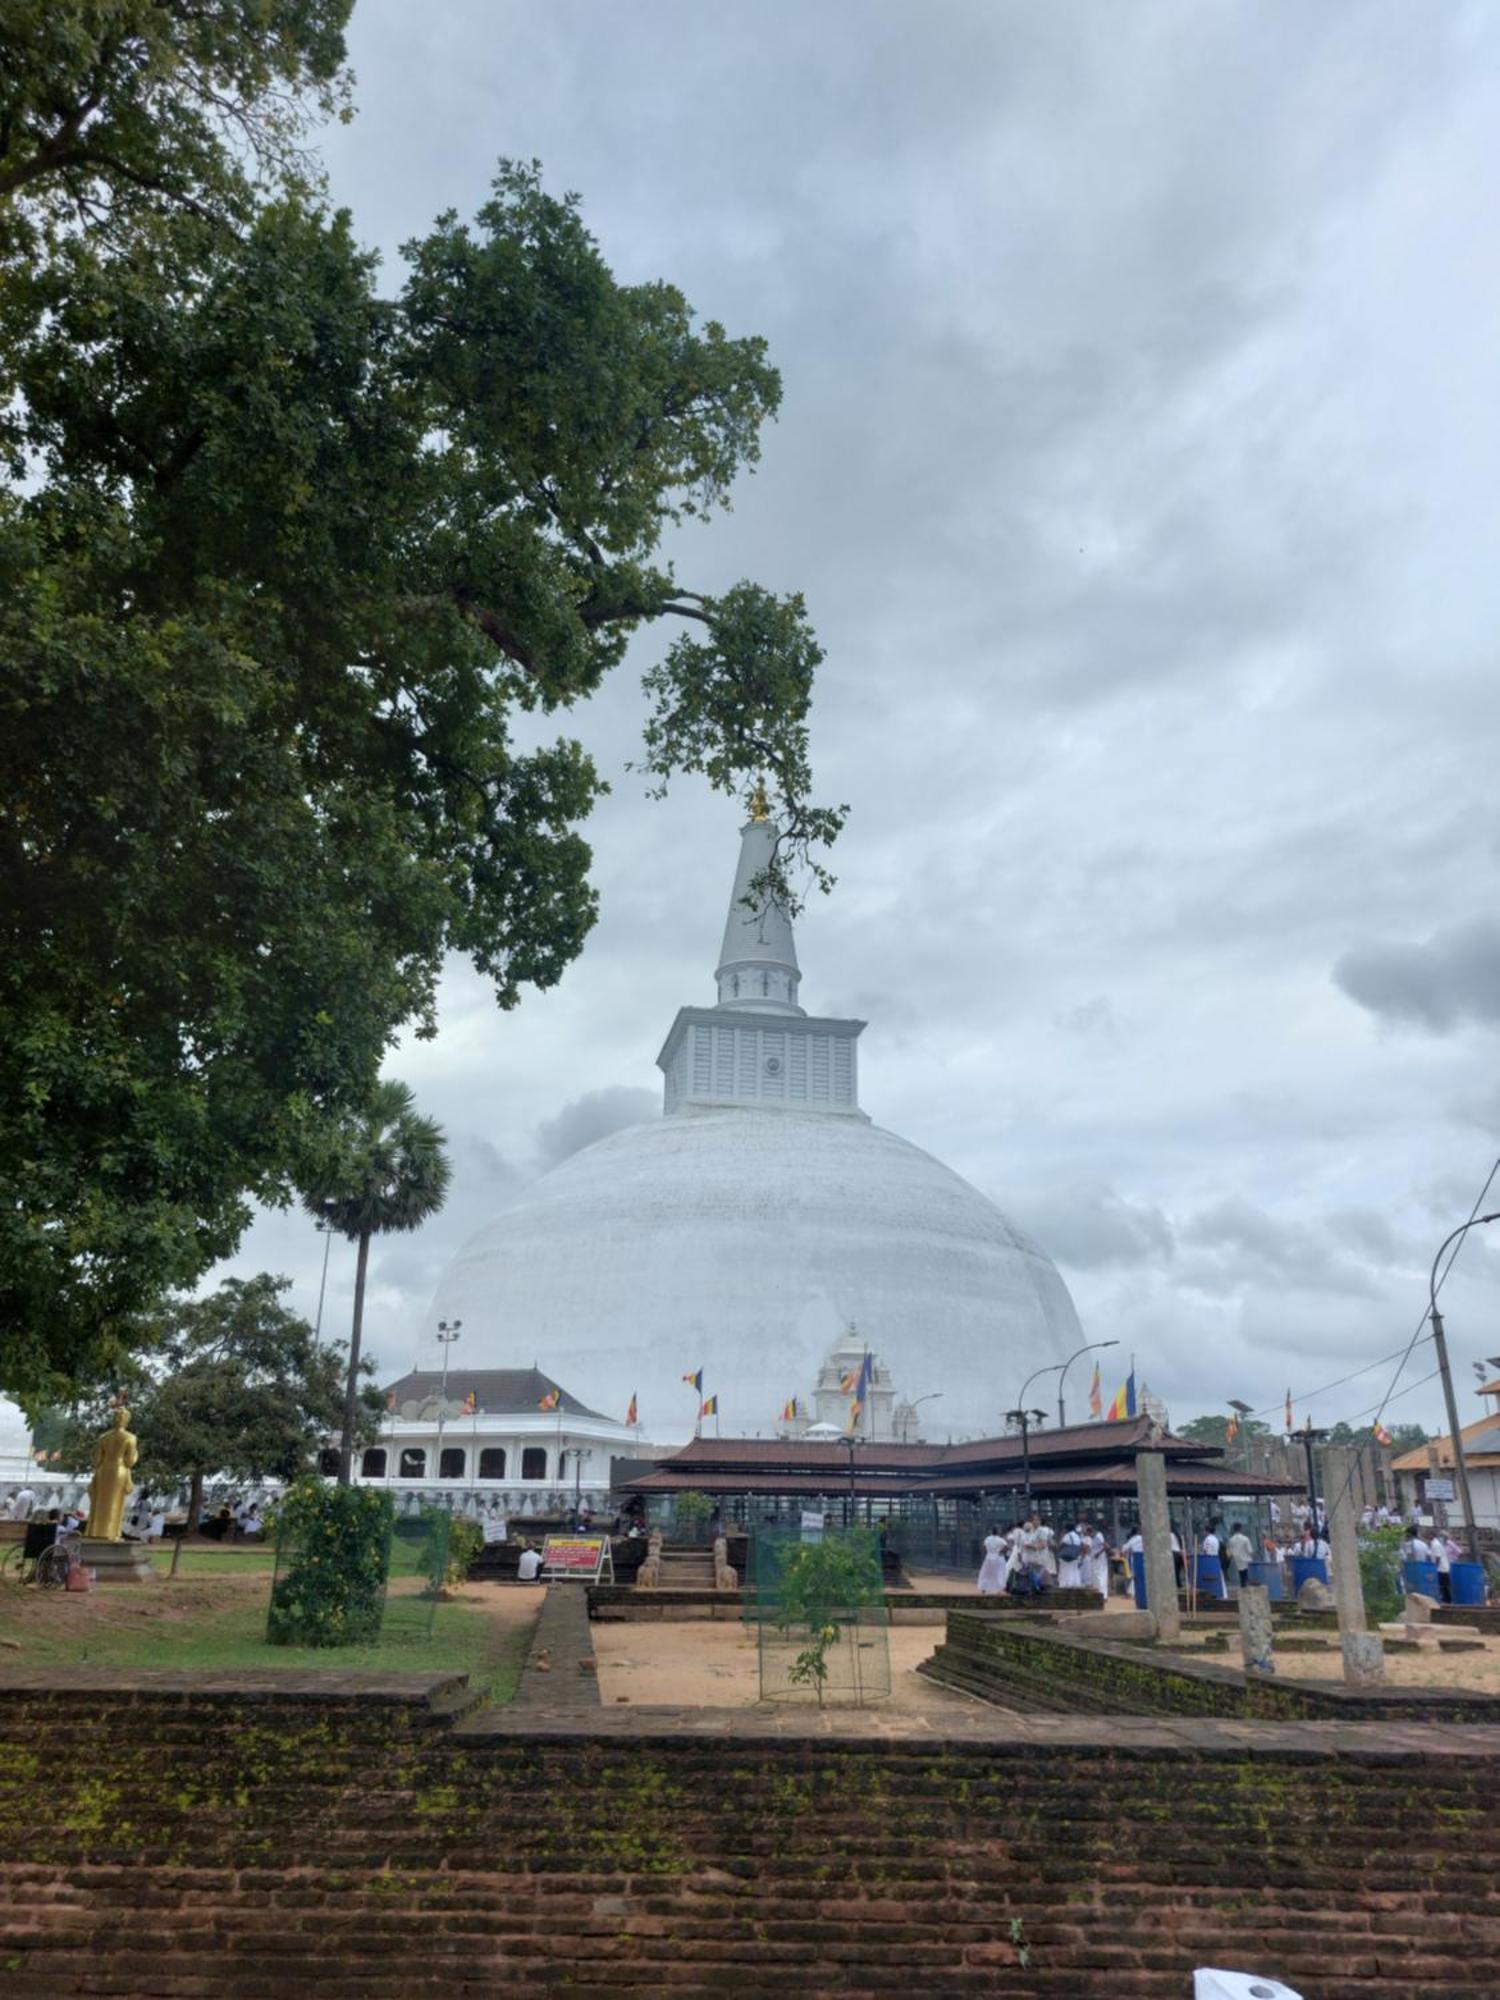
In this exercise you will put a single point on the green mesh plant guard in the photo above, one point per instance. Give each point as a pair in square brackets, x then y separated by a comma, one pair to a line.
[820, 1614]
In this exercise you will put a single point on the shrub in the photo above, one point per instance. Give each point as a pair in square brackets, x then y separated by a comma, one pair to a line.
[1380, 1573]
[465, 1540]
[333, 1556]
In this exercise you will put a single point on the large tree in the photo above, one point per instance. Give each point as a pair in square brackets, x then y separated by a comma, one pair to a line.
[231, 1384]
[384, 1169]
[282, 553]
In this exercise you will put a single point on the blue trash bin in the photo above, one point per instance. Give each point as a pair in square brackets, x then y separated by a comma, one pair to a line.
[1305, 1566]
[1268, 1574]
[1466, 1582]
[1138, 1575]
[1210, 1574]
[1422, 1577]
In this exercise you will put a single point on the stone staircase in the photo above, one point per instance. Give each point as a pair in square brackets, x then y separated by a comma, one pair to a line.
[686, 1566]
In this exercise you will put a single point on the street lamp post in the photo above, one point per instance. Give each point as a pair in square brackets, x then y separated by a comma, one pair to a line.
[1026, 1418]
[1460, 1463]
[327, 1235]
[447, 1334]
[1063, 1374]
[1053, 1368]
[1309, 1438]
[932, 1396]
[851, 1440]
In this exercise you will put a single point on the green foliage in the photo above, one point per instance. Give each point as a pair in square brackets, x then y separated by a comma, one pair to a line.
[818, 1581]
[334, 1555]
[232, 1383]
[1380, 1572]
[691, 1510]
[1213, 1429]
[381, 1168]
[465, 1540]
[280, 559]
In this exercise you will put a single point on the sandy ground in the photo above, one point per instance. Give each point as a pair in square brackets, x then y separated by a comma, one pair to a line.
[1476, 1671]
[698, 1664]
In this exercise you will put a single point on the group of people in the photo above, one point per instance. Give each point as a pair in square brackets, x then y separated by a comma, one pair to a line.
[1032, 1557]
[1435, 1546]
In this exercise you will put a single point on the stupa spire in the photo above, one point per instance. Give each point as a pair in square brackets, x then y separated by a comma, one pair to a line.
[758, 971]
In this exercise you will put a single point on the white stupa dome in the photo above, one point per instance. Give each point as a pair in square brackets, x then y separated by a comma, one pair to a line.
[751, 1226]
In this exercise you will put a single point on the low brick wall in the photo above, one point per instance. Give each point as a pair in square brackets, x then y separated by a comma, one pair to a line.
[617, 1602]
[1048, 1671]
[179, 1837]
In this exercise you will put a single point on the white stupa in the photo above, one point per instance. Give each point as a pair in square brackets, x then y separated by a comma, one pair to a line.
[746, 1229]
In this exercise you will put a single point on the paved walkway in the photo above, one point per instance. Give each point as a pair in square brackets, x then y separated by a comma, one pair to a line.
[560, 1680]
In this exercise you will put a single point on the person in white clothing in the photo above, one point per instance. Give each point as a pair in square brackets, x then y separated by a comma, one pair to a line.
[1097, 1564]
[1241, 1554]
[994, 1571]
[528, 1568]
[21, 1504]
[1070, 1554]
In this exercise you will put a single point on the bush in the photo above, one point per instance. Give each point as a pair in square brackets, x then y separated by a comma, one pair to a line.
[1380, 1573]
[332, 1559]
[465, 1540]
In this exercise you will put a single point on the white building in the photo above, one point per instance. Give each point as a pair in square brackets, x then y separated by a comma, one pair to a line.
[489, 1443]
[746, 1229]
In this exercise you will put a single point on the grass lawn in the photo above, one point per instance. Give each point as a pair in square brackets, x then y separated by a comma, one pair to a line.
[252, 1560]
[214, 1615]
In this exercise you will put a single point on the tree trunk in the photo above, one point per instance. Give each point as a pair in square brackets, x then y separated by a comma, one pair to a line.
[351, 1388]
[195, 1503]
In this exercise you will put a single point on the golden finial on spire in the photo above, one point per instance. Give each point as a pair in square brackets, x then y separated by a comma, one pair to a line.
[758, 808]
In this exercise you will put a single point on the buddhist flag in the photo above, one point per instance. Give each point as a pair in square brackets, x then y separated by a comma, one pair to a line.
[471, 1404]
[861, 1391]
[1289, 1424]
[1124, 1402]
[1231, 1430]
[390, 1401]
[789, 1412]
[710, 1407]
[848, 1380]
[1382, 1435]
[1096, 1396]
[551, 1400]
[695, 1381]
[631, 1416]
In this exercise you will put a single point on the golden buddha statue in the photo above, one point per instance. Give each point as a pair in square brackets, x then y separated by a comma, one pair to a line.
[114, 1455]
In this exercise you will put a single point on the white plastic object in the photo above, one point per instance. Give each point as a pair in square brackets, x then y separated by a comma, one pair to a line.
[1210, 1983]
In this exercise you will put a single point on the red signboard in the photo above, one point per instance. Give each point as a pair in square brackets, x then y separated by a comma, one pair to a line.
[574, 1555]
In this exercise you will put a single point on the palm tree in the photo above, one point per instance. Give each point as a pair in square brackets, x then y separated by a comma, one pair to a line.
[385, 1169]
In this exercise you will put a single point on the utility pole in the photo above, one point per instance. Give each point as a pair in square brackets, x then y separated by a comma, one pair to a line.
[1026, 1418]
[447, 1334]
[1460, 1463]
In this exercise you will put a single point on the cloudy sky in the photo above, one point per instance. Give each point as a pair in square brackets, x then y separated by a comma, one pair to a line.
[1139, 463]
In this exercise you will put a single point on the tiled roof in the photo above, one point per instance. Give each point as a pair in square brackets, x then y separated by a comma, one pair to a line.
[498, 1392]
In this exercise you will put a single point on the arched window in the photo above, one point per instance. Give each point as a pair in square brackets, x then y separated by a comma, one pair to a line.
[372, 1465]
[451, 1462]
[413, 1462]
[534, 1462]
[492, 1462]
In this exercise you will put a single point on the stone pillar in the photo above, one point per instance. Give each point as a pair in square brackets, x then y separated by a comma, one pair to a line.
[1256, 1632]
[1364, 1651]
[1156, 1534]
[1364, 1659]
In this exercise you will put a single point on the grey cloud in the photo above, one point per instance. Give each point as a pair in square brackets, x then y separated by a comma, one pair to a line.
[593, 1116]
[1238, 1244]
[1452, 978]
[1087, 1228]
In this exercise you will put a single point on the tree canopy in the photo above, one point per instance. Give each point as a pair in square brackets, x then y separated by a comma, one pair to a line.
[283, 552]
[233, 1383]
